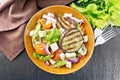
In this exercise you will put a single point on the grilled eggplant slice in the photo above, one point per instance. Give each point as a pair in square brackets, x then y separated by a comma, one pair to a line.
[71, 41]
[66, 24]
[72, 22]
[63, 24]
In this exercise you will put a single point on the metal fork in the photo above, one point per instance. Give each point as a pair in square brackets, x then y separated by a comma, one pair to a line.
[105, 37]
[98, 32]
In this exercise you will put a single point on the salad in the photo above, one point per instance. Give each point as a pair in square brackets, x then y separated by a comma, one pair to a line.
[58, 40]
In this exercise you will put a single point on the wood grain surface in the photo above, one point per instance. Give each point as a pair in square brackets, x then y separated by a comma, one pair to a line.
[104, 65]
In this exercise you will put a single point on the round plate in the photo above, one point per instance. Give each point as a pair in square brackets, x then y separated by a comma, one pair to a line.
[59, 9]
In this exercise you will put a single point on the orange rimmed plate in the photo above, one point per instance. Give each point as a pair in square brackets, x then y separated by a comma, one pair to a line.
[58, 9]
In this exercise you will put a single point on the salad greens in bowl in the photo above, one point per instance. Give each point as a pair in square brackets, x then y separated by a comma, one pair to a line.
[59, 39]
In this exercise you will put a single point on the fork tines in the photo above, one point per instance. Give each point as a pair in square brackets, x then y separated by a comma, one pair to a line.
[109, 34]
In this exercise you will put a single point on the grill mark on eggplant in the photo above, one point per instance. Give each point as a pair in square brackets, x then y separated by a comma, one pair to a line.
[75, 46]
[73, 33]
[72, 39]
[68, 45]
[58, 25]
[72, 26]
[70, 31]
[72, 47]
[71, 36]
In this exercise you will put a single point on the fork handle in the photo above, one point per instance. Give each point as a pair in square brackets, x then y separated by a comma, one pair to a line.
[95, 44]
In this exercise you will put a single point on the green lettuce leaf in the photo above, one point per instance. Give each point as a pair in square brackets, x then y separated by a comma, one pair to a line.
[41, 57]
[53, 36]
[59, 63]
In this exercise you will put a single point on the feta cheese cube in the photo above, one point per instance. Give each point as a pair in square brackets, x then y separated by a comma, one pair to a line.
[54, 46]
[85, 38]
[68, 64]
[62, 56]
[50, 14]
[49, 18]
[67, 15]
[70, 55]
[52, 61]
[42, 33]
[31, 33]
[62, 30]
[82, 50]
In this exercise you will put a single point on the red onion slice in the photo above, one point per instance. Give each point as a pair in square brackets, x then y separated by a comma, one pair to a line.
[47, 63]
[73, 60]
[46, 49]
